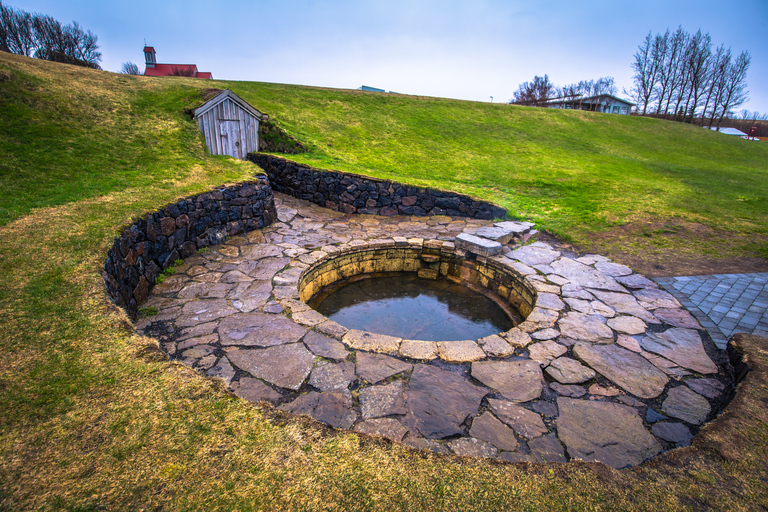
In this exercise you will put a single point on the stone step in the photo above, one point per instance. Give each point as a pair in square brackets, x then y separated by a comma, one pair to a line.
[477, 245]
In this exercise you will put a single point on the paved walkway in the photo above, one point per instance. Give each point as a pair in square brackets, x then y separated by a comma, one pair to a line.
[584, 376]
[724, 304]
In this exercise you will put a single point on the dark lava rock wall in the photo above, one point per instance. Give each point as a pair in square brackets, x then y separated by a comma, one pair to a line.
[153, 243]
[350, 193]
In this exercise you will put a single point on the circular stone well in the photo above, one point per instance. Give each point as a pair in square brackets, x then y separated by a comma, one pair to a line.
[605, 367]
[429, 259]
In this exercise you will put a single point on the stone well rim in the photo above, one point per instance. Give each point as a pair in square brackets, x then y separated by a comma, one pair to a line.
[460, 351]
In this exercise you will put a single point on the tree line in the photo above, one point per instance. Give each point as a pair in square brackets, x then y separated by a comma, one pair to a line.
[540, 91]
[42, 36]
[680, 76]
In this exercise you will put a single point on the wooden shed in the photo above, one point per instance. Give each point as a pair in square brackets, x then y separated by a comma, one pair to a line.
[230, 125]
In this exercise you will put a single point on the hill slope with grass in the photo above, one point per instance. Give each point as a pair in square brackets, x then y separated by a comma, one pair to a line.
[94, 417]
[621, 185]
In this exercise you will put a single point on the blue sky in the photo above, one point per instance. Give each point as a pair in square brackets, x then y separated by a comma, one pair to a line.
[470, 50]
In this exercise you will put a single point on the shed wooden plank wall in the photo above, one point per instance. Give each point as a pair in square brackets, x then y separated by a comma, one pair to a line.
[228, 110]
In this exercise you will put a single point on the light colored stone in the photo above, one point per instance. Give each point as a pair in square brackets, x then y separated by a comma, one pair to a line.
[550, 301]
[462, 351]
[656, 298]
[418, 349]
[625, 303]
[203, 311]
[285, 366]
[519, 381]
[517, 338]
[308, 318]
[604, 432]
[629, 343]
[477, 245]
[545, 334]
[627, 324]
[222, 370]
[368, 341]
[533, 255]
[323, 346]
[583, 327]
[597, 389]
[332, 329]
[496, 233]
[626, 369]
[584, 276]
[495, 346]
[521, 267]
[685, 404]
[545, 351]
[576, 292]
[569, 371]
[613, 269]
[683, 346]
[518, 227]
[539, 319]
[636, 281]
[259, 330]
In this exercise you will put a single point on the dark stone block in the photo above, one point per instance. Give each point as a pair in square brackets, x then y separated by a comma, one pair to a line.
[173, 211]
[447, 203]
[170, 259]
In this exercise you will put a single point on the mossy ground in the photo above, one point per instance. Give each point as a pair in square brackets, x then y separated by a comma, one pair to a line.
[93, 417]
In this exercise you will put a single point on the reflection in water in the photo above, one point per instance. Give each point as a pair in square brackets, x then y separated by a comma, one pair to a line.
[408, 307]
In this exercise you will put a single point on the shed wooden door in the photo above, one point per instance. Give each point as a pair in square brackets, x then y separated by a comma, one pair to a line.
[230, 138]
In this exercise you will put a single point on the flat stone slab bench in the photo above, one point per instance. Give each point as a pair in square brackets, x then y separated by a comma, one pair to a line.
[607, 367]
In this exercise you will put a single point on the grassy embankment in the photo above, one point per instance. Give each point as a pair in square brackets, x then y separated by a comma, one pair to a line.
[93, 418]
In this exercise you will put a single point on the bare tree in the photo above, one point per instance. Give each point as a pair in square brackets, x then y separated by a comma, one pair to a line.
[536, 93]
[15, 31]
[700, 49]
[646, 71]
[129, 68]
[720, 61]
[734, 93]
[44, 37]
[678, 43]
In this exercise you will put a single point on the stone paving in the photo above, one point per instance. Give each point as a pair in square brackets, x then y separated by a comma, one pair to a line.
[724, 304]
[607, 367]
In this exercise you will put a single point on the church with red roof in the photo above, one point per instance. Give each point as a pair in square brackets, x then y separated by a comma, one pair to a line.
[153, 68]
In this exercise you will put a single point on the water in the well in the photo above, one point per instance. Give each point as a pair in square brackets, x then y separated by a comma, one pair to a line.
[411, 308]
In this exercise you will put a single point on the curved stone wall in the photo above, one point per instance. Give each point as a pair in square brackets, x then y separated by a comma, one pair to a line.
[350, 193]
[154, 242]
[430, 259]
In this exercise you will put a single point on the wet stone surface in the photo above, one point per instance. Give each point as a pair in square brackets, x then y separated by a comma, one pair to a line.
[607, 367]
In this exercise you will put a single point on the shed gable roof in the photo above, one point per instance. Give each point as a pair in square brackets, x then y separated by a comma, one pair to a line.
[223, 96]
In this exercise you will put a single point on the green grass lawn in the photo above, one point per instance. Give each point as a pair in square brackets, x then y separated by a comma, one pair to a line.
[92, 417]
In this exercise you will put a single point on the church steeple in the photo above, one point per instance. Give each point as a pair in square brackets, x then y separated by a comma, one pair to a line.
[149, 56]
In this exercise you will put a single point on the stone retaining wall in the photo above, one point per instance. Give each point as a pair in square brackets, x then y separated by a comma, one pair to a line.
[153, 243]
[350, 193]
[430, 259]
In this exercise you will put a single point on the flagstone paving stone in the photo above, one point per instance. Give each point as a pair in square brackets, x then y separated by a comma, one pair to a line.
[233, 313]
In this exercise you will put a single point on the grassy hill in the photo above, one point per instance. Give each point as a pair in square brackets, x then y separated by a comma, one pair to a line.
[92, 418]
